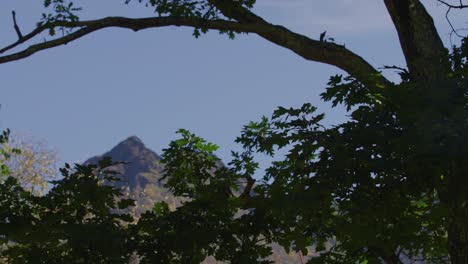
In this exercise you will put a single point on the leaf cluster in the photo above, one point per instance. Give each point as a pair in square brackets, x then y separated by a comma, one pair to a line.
[75, 222]
[62, 10]
[203, 9]
[5, 153]
[209, 222]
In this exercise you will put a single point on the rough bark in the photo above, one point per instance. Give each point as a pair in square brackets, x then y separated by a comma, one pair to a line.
[425, 54]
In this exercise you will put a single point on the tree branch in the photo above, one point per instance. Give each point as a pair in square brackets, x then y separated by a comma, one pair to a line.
[87, 27]
[310, 49]
[449, 8]
[459, 6]
[248, 188]
[24, 39]
[454, 31]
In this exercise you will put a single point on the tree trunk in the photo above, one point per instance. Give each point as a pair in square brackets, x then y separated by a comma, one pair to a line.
[458, 215]
[458, 239]
[425, 54]
[427, 61]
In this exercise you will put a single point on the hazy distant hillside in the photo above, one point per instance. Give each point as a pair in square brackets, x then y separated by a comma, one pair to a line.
[140, 182]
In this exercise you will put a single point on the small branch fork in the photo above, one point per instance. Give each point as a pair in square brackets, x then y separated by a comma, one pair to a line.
[248, 188]
[450, 6]
[15, 25]
[461, 5]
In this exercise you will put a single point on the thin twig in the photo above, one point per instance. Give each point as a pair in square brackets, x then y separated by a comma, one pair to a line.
[454, 31]
[15, 25]
[460, 6]
[450, 6]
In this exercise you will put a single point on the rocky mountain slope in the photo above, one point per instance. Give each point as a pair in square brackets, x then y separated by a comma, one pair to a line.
[140, 181]
[140, 175]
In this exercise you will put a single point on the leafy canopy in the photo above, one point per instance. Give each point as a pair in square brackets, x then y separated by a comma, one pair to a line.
[77, 221]
[380, 187]
[389, 183]
[374, 188]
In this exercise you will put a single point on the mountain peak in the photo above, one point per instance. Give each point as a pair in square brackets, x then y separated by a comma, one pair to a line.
[131, 145]
[134, 139]
[138, 157]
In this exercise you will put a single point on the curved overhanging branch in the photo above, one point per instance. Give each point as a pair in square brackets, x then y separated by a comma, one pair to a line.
[325, 52]
[310, 49]
[87, 27]
[245, 21]
[314, 50]
[242, 20]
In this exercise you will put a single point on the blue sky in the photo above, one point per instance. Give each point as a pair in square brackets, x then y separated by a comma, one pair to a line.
[85, 97]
